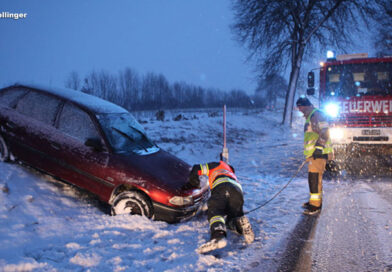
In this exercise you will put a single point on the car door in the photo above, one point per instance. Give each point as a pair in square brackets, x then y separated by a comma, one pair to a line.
[32, 127]
[86, 166]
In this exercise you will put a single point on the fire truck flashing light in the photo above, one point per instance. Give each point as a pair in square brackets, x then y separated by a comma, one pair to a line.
[352, 56]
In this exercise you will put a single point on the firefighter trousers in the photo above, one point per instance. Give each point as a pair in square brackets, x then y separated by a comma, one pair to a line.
[316, 168]
[226, 201]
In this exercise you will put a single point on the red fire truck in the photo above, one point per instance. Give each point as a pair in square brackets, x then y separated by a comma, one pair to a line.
[356, 92]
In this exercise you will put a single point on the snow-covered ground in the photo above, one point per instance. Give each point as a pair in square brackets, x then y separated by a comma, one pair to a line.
[47, 225]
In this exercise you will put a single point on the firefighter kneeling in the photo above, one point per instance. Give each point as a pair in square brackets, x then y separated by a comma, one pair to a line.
[317, 148]
[225, 206]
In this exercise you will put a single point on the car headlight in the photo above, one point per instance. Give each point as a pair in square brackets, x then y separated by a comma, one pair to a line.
[336, 133]
[181, 200]
[332, 109]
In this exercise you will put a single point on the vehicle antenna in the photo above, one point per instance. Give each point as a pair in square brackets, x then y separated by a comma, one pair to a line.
[225, 151]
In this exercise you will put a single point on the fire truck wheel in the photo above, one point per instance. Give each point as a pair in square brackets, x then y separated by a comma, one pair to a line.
[132, 202]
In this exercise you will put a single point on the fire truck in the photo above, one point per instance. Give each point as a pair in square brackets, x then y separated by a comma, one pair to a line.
[355, 92]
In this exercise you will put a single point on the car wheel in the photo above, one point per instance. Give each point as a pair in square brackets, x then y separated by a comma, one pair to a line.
[132, 202]
[4, 151]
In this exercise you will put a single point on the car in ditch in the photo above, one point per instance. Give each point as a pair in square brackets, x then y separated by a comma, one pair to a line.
[98, 146]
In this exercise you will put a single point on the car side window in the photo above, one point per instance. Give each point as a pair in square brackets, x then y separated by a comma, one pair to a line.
[39, 106]
[9, 97]
[77, 123]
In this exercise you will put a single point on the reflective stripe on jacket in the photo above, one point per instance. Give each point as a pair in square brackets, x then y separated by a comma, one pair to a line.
[220, 174]
[311, 138]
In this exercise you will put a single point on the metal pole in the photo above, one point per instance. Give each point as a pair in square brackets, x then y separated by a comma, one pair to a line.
[224, 126]
[225, 151]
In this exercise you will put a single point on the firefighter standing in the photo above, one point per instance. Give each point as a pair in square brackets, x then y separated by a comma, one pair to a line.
[225, 206]
[317, 147]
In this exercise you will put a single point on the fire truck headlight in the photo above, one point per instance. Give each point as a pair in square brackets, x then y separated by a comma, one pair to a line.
[336, 133]
[332, 110]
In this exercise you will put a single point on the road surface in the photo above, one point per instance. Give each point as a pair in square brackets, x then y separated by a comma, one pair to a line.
[352, 233]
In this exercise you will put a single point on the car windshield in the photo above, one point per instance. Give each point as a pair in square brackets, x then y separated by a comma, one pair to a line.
[125, 134]
[359, 79]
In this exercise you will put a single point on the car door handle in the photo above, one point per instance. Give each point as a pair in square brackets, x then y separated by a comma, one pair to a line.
[55, 146]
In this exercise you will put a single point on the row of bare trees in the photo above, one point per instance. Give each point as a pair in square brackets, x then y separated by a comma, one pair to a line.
[153, 91]
[383, 33]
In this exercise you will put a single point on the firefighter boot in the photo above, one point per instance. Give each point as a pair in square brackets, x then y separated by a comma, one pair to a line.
[314, 204]
[244, 228]
[218, 239]
[231, 224]
[213, 244]
[312, 210]
[306, 205]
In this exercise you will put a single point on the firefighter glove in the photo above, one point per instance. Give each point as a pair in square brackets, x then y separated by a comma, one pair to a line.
[318, 153]
[193, 179]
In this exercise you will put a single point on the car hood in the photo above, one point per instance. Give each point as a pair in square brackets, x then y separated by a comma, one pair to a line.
[160, 169]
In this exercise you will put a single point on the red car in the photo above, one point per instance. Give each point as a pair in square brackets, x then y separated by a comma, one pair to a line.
[98, 146]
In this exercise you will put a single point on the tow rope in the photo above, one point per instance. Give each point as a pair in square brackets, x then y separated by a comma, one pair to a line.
[284, 187]
[225, 158]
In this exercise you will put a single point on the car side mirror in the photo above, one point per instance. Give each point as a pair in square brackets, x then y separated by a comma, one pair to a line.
[94, 143]
[311, 80]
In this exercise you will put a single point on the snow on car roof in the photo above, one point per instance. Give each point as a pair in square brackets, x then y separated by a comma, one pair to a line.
[91, 102]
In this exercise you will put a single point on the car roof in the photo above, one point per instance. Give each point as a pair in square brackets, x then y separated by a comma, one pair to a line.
[90, 102]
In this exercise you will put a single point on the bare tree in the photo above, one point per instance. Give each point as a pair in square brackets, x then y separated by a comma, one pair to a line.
[238, 98]
[90, 85]
[383, 39]
[108, 87]
[279, 33]
[148, 101]
[102, 84]
[179, 89]
[129, 88]
[73, 81]
[164, 94]
[270, 88]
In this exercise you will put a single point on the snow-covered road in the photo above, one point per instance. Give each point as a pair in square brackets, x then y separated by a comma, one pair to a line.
[354, 230]
[352, 233]
[49, 226]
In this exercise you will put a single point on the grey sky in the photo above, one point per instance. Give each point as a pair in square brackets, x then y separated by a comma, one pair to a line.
[185, 40]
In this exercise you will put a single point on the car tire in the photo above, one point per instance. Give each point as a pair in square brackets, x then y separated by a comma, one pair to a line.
[132, 202]
[4, 150]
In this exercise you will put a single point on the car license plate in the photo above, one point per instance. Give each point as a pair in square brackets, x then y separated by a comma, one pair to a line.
[371, 132]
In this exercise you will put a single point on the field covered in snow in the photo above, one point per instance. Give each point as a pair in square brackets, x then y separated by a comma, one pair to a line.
[47, 225]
